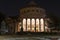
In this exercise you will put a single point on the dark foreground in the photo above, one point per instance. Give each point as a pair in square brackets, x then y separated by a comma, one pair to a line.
[30, 36]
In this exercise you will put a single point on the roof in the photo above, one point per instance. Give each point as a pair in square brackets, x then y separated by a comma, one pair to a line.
[30, 4]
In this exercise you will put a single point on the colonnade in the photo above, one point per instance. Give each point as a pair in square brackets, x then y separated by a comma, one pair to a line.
[33, 25]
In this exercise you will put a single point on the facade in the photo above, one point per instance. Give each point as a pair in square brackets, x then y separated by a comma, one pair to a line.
[33, 19]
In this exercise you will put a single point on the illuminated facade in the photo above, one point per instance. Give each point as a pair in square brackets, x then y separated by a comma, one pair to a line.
[33, 19]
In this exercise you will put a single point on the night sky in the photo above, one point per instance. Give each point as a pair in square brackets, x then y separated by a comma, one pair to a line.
[11, 7]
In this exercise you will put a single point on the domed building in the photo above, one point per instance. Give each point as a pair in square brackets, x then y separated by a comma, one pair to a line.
[33, 19]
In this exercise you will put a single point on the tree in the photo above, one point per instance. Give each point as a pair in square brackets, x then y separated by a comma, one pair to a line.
[2, 16]
[55, 19]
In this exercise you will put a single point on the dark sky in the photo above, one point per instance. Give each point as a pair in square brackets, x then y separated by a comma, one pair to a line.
[11, 7]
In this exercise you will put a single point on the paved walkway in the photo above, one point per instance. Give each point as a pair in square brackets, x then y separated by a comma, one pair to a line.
[18, 37]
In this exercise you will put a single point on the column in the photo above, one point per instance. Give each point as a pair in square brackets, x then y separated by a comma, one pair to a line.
[30, 24]
[39, 25]
[42, 24]
[22, 25]
[35, 24]
[26, 24]
[19, 25]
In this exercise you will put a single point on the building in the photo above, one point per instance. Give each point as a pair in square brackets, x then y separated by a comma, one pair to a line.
[33, 19]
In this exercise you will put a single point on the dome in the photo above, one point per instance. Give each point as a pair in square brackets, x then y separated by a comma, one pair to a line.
[30, 4]
[31, 10]
[33, 18]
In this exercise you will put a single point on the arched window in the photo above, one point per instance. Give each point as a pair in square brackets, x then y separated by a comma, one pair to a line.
[28, 24]
[24, 24]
